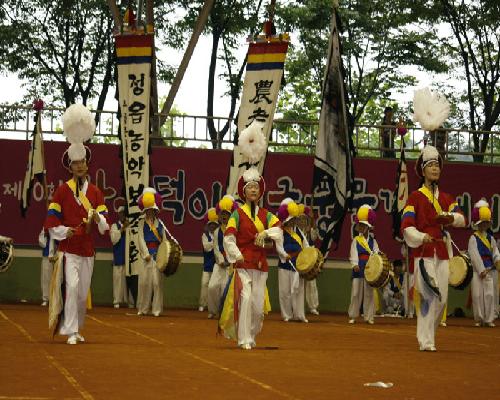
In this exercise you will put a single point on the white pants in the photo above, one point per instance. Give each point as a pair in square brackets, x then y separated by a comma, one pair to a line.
[291, 304]
[311, 290]
[430, 309]
[120, 291]
[483, 297]
[216, 286]
[251, 305]
[205, 278]
[150, 286]
[45, 275]
[77, 278]
[361, 292]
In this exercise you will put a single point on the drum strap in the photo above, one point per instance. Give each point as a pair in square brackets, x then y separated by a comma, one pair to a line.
[294, 235]
[483, 239]
[427, 193]
[154, 230]
[363, 243]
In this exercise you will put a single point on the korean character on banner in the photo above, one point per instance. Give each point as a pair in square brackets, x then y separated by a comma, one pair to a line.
[172, 192]
[258, 114]
[262, 91]
[135, 112]
[133, 195]
[133, 252]
[135, 166]
[136, 140]
[137, 85]
[12, 189]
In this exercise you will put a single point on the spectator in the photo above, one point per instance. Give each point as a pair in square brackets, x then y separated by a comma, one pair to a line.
[387, 134]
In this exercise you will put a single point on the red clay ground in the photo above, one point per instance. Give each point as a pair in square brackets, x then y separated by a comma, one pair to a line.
[178, 356]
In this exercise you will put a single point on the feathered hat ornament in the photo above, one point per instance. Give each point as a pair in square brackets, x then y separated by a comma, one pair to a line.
[430, 110]
[288, 209]
[79, 127]
[250, 175]
[149, 199]
[365, 215]
[252, 142]
[227, 203]
[211, 216]
[480, 213]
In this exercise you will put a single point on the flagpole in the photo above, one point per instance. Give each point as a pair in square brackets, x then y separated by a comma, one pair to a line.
[45, 188]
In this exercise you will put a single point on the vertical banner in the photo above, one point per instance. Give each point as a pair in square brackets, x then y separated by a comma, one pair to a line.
[332, 176]
[400, 194]
[134, 56]
[264, 71]
[36, 164]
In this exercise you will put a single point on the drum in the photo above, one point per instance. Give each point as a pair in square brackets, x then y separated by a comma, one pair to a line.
[309, 263]
[377, 270]
[169, 257]
[460, 271]
[6, 255]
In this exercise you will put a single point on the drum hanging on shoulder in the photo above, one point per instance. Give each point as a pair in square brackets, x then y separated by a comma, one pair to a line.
[168, 257]
[309, 263]
[460, 271]
[377, 270]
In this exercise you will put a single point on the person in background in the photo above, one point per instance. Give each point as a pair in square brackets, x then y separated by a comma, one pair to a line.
[207, 241]
[48, 257]
[387, 134]
[117, 235]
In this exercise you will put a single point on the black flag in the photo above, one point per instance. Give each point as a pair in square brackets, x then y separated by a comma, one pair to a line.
[333, 172]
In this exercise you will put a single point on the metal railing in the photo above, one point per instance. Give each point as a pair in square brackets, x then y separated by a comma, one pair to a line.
[17, 122]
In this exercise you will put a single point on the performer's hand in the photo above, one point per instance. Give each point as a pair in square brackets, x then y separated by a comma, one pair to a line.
[125, 225]
[71, 232]
[427, 238]
[260, 238]
[483, 273]
[240, 258]
[53, 259]
[356, 268]
[147, 258]
[96, 217]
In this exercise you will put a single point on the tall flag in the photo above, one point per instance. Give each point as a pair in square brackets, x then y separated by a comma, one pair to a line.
[36, 162]
[333, 172]
[400, 194]
[264, 71]
[134, 56]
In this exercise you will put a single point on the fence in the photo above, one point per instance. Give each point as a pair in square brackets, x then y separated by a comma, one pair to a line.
[286, 136]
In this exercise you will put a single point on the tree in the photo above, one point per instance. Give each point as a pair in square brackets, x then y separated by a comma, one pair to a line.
[378, 37]
[230, 21]
[475, 45]
[63, 49]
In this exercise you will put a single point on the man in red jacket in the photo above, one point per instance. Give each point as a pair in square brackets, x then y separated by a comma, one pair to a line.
[425, 216]
[76, 207]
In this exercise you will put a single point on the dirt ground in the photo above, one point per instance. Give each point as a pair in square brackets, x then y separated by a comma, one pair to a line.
[178, 356]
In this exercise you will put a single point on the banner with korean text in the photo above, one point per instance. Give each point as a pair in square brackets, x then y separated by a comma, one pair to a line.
[264, 71]
[134, 55]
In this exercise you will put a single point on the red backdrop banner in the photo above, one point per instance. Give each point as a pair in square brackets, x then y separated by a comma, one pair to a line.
[190, 181]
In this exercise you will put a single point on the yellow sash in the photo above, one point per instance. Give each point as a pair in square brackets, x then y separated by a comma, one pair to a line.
[257, 222]
[427, 193]
[294, 235]
[81, 196]
[483, 239]
[363, 243]
[154, 230]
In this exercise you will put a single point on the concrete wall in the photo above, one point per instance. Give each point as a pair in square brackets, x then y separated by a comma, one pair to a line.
[21, 282]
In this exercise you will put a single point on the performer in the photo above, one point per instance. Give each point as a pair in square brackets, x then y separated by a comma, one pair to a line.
[422, 225]
[49, 249]
[207, 240]
[484, 254]
[309, 235]
[151, 234]
[393, 292]
[76, 207]
[225, 207]
[291, 285]
[362, 246]
[117, 235]
[248, 232]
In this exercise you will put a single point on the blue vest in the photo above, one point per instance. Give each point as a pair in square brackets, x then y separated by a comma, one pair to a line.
[208, 256]
[119, 249]
[291, 246]
[363, 256]
[149, 237]
[485, 253]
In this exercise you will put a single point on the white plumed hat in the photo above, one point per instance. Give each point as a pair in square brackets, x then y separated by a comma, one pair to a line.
[430, 109]
[252, 142]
